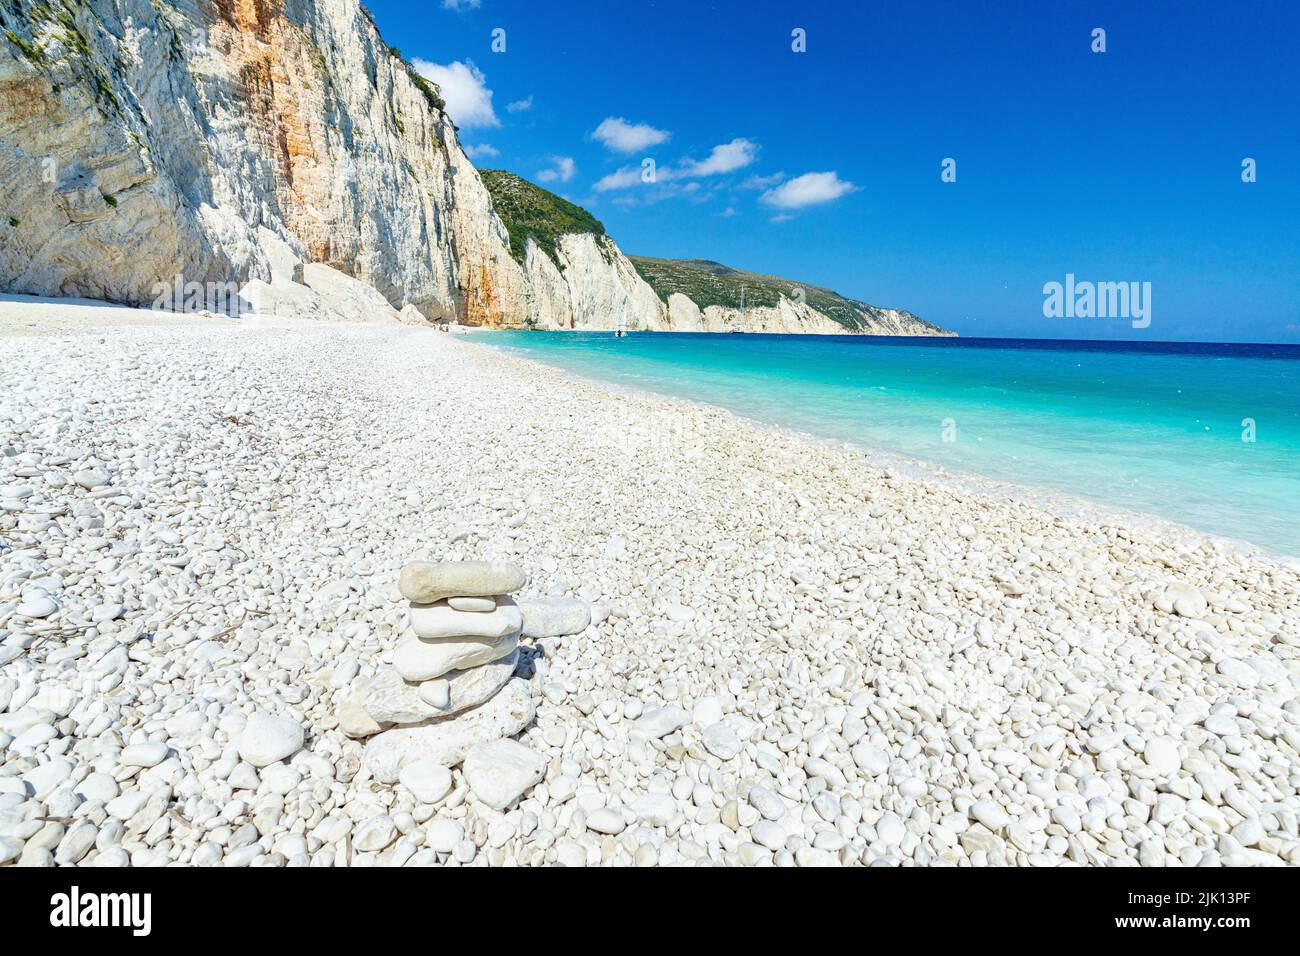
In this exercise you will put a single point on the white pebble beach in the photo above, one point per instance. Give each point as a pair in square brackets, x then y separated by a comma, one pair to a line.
[794, 656]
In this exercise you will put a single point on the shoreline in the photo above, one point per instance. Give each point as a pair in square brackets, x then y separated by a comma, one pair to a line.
[957, 480]
[796, 656]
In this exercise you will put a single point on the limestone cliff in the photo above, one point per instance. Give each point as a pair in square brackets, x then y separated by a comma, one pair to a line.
[590, 285]
[145, 139]
[281, 148]
[574, 276]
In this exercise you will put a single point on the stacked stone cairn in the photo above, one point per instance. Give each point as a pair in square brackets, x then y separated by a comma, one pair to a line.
[451, 686]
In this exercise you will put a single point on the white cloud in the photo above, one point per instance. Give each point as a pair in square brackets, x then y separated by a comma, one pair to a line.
[624, 137]
[464, 88]
[485, 150]
[459, 5]
[519, 106]
[810, 189]
[724, 158]
[562, 170]
[619, 179]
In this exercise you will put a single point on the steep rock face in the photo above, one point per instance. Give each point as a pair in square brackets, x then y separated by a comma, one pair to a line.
[574, 275]
[683, 314]
[801, 318]
[593, 287]
[550, 306]
[598, 288]
[496, 289]
[786, 317]
[140, 140]
[86, 209]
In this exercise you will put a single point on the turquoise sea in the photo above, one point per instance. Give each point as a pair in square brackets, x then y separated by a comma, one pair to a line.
[1161, 428]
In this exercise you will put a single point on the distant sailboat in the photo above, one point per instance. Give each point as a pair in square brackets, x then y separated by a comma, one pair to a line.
[622, 324]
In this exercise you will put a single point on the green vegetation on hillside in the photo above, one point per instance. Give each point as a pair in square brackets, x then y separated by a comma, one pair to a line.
[708, 283]
[529, 210]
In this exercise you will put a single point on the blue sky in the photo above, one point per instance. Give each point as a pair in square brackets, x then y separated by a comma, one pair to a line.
[824, 166]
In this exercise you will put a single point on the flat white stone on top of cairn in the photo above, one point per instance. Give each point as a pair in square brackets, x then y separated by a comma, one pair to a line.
[426, 582]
